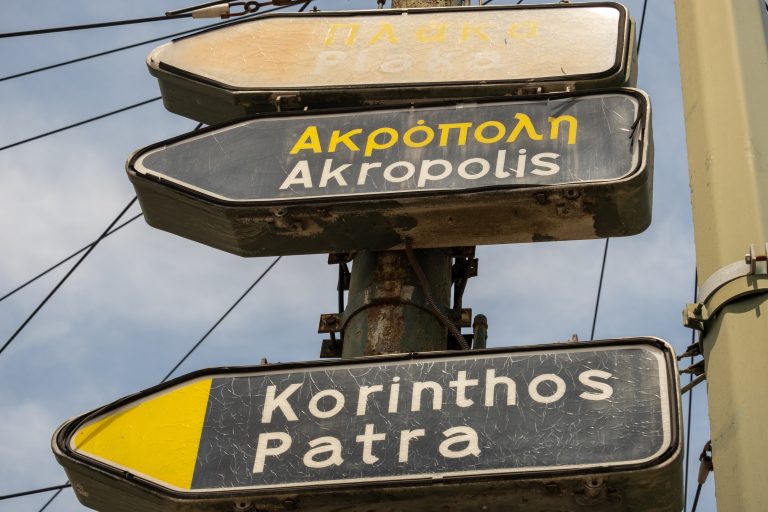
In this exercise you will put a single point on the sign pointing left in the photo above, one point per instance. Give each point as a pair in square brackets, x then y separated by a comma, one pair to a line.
[444, 426]
[157, 438]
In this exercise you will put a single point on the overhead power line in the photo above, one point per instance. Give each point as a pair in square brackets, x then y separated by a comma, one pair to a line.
[104, 24]
[59, 488]
[148, 41]
[64, 279]
[80, 123]
[34, 491]
[57, 265]
[221, 319]
[102, 116]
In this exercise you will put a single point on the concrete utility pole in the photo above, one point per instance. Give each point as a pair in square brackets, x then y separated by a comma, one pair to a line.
[724, 67]
[388, 310]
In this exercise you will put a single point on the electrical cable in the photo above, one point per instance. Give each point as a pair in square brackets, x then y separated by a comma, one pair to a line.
[55, 495]
[87, 26]
[221, 319]
[599, 290]
[57, 265]
[425, 288]
[168, 375]
[696, 498]
[102, 116]
[605, 251]
[155, 40]
[64, 279]
[80, 123]
[642, 24]
[690, 404]
[35, 491]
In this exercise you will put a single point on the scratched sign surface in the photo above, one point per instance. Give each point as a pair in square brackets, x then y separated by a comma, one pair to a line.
[565, 408]
[566, 139]
[492, 44]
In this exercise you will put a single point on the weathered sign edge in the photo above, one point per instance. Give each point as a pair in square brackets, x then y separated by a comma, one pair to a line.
[621, 60]
[642, 162]
[63, 435]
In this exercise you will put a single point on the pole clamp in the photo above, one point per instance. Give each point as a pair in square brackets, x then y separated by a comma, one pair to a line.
[735, 281]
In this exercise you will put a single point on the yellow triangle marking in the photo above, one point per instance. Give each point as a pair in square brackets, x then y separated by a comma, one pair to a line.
[158, 437]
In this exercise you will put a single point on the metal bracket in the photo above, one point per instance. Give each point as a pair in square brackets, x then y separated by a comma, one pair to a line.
[287, 102]
[732, 282]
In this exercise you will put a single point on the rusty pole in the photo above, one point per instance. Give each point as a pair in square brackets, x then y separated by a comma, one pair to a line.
[388, 310]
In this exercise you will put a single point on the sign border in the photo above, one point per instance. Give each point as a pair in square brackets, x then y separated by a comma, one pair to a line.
[622, 59]
[670, 400]
[644, 111]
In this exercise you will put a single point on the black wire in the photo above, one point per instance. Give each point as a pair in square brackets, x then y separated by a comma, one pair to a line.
[80, 123]
[599, 289]
[92, 25]
[35, 491]
[690, 402]
[221, 319]
[181, 361]
[57, 265]
[605, 251]
[63, 280]
[102, 116]
[142, 43]
[696, 498]
[51, 500]
[642, 24]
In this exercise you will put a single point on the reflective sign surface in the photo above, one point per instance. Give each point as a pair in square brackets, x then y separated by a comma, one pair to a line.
[523, 143]
[567, 409]
[555, 42]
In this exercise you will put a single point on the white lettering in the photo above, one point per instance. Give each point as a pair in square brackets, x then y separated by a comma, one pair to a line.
[367, 439]
[405, 442]
[299, 175]
[457, 435]
[606, 391]
[272, 402]
[461, 384]
[322, 445]
[533, 388]
[263, 451]
[333, 411]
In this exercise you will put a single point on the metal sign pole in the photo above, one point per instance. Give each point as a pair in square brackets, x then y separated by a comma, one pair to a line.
[401, 321]
[724, 68]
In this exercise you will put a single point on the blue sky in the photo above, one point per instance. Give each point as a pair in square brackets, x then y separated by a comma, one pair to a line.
[143, 297]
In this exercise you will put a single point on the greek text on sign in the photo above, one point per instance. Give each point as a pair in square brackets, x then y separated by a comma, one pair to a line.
[491, 44]
[563, 408]
[574, 139]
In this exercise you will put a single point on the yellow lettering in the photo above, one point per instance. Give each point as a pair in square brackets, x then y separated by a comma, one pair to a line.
[446, 128]
[427, 132]
[523, 29]
[500, 132]
[385, 30]
[573, 125]
[371, 144]
[477, 30]
[310, 139]
[346, 139]
[524, 123]
[423, 35]
[354, 28]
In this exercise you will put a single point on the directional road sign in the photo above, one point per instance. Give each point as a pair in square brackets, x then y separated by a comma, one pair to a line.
[596, 420]
[556, 167]
[336, 59]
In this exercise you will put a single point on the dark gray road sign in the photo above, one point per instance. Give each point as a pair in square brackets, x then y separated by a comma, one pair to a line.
[600, 411]
[390, 172]
[333, 59]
